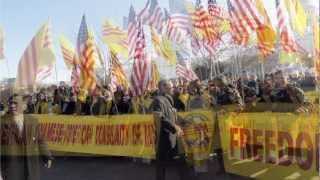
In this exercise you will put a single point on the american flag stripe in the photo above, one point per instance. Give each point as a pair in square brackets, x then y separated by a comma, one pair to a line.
[210, 47]
[132, 32]
[75, 75]
[239, 20]
[249, 12]
[183, 70]
[140, 74]
[156, 15]
[195, 46]
[238, 29]
[144, 15]
[241, 38]
[178, 27]
[206, 47]
[214, 10]
[286, 35]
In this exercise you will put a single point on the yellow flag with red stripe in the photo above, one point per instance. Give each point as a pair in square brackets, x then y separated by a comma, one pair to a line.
[266, 36]
[155, 76]
[117, 71]
[115, 38]
[68, 51]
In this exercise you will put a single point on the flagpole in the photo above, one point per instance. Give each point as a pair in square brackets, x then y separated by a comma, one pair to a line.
[211, 66]
[317, 83]
[8, 68]
[262, 71]
[241, 78]
[56, 70]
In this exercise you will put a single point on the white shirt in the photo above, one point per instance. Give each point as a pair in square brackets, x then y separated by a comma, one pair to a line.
[18, 119]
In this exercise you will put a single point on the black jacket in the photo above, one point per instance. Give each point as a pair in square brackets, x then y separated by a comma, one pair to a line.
[165, 114]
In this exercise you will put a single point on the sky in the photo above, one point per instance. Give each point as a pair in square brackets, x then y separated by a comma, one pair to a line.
[22, 19]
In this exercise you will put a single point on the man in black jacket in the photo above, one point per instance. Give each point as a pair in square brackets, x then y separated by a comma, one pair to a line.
[167, 133]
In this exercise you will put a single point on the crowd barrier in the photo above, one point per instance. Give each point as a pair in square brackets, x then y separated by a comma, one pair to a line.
[264, 145]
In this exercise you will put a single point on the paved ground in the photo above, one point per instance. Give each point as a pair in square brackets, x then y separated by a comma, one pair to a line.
[107, 168]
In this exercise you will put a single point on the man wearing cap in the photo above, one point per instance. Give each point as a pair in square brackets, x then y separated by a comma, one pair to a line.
[21, 144]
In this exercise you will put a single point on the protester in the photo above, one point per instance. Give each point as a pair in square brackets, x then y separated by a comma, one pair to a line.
[21, 144]
[224, 93]
[121, 104]
[178, 104]
[168, 133]
[197, 101]
[244, 91]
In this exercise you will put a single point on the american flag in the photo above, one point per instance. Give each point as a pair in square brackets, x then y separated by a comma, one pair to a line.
[132, 32]
[140, 73]
[250, 13]
[238, 29]
[204, 47]
[156, 15]
[144, 15]
[183, 70]
[286, 35]
[87, 56]
[244, 18]
[178, 26]
[214, 10]
[75, 75]
[195, 46]
[37, 59]
[210, 46]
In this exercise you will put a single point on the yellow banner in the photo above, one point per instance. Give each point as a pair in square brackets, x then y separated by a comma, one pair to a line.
[258, 145]
[124, 135]
[270, 145]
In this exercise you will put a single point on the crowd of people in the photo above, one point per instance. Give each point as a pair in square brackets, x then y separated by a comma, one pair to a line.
[221, 90]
